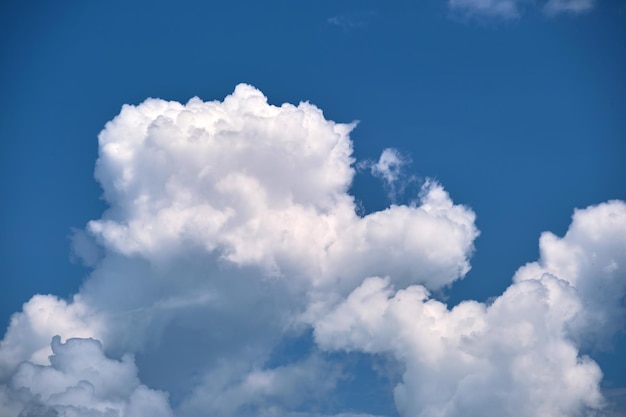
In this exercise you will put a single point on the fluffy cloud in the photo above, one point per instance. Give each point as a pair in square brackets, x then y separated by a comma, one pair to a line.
[230, 227]
[230, 223]
[80, 381]
[510, 358]
[261, 186]
[519, 355]
[44, 316]
[590, 257]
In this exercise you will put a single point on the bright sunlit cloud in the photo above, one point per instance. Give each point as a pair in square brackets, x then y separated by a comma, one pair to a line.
[230, 228]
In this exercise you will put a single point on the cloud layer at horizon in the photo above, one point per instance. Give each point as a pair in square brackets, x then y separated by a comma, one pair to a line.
[230, 227]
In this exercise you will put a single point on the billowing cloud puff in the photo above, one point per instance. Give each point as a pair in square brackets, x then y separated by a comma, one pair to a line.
[260, 185]
[215, 205]
[510, 358]
[517, 356]
[44, 316]
[229, 224]
[591, 257]
[230, 228]
[80, 381]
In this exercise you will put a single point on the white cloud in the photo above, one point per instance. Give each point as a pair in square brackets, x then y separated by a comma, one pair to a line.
[230, 225]
[591, 257]
[389, 165]
[509, 359]
[80, 381]
[389, 168]
[44, 316]
[516, 357]
[260, 185]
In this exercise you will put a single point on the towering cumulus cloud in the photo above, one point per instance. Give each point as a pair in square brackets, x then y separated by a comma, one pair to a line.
[230, 229]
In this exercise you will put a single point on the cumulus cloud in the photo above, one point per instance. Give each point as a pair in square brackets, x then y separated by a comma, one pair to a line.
[518, 356]
[80, 381]
[230, 222]
[509, 358]
[44, 316]
[590, 257]
[230, 226]
[262, 186]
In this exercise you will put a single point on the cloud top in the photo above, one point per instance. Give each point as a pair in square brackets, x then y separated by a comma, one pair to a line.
[265, 186]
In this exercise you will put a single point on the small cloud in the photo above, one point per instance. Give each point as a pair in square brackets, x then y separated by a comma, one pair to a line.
[504, 9]
[554, 7]
[334, 20]
[513, 9]
[389, 168]
[350, 21]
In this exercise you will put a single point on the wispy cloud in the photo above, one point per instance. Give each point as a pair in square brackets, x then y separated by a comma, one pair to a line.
[351, 21]
[390, 168]
[513, 9]
[616, 402]
[506, 9]
[554, 7]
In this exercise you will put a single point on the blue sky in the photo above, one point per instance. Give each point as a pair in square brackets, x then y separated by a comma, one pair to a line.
[517, 109]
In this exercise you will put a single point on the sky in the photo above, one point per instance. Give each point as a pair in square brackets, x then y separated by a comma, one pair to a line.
[313, 209]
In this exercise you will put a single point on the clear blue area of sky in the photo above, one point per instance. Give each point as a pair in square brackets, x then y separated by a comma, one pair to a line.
[523, 120]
